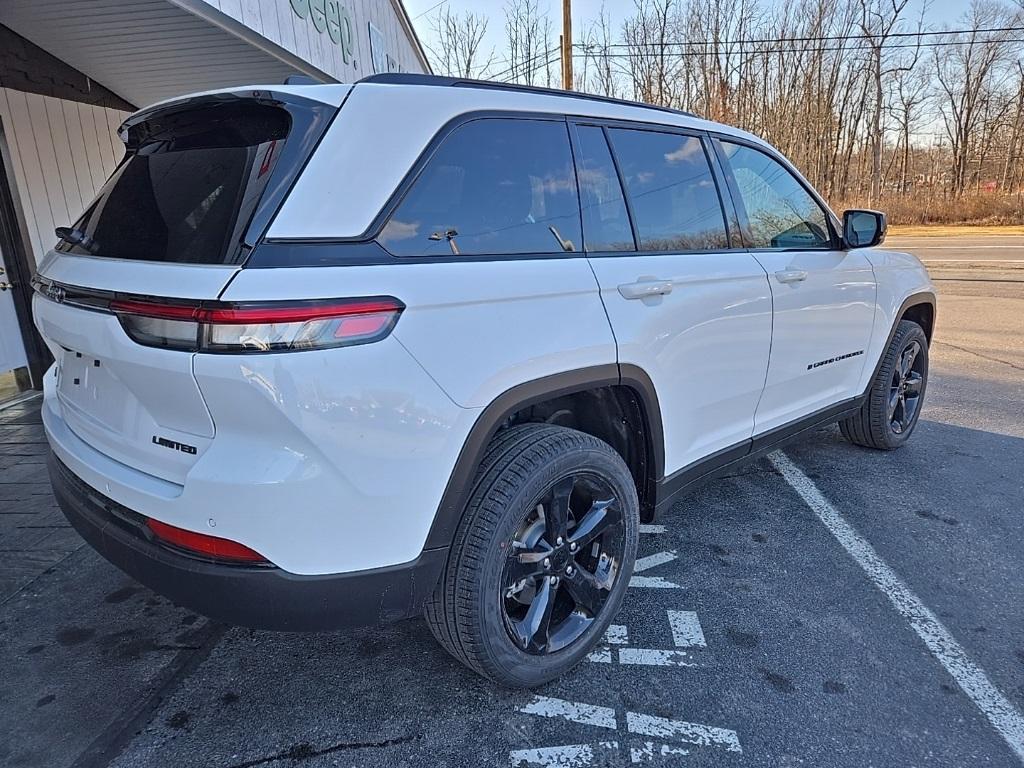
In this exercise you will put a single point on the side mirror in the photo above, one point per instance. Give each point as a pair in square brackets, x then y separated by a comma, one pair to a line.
[863, 229]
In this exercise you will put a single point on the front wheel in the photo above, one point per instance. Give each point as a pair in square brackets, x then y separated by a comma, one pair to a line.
[894, 401]
[542, 557]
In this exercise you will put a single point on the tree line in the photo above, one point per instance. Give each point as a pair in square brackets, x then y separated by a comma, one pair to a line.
[875, 105]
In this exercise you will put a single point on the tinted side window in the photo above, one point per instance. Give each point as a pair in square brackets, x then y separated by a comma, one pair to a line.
[782, 214]
[671, 190]
[494, 186]
[605, 219]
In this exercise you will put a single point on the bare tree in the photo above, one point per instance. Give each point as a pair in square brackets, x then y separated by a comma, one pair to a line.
[910, 95]
[879, 20]
[457, 48]
[599, 73]
[968, 73]
[860, 94]
[528, 40]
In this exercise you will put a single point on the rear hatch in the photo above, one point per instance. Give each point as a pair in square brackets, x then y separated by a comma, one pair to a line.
[199, 183]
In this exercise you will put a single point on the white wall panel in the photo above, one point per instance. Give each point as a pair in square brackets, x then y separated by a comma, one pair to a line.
[61, 153]
[277, 22]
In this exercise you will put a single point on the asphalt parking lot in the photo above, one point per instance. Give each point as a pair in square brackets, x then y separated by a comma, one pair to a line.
[831, 606]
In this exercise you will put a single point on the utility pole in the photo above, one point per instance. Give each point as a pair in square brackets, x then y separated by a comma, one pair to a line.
[567, 44]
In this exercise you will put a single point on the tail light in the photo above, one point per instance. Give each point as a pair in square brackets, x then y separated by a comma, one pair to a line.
[267, 327]
[201, 544]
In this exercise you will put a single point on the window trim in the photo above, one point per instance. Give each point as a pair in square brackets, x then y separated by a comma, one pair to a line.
[834, 244]
[574, 126]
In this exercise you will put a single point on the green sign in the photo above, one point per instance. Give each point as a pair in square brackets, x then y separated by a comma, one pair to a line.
[332, 16]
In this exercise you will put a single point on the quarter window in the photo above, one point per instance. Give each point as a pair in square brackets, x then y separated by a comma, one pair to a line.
[605, 218]
[780, 211]
[671, 190]
[494, 186]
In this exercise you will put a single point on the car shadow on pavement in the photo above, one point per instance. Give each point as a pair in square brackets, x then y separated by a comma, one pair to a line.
[798, 660]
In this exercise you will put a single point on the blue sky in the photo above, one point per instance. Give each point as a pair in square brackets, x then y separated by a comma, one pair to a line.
[422, 12]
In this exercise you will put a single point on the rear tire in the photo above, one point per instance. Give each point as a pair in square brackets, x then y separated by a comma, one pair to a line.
[888, 417]
[512, 605]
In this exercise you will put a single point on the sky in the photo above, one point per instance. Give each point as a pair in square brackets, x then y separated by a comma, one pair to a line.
[423, 12]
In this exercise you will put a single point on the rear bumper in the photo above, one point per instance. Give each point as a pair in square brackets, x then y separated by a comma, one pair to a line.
[262, 597]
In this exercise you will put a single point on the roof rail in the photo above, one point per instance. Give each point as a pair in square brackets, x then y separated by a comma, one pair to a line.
[301, 80]
[410, 78]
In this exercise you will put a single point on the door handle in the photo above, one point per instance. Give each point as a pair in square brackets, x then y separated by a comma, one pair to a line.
[642, 289]
[791, 275]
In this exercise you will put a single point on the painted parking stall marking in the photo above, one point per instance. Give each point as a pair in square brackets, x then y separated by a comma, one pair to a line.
[686, 629]
[641, 737]
[587, 714]
[686, 633]
[649, 562]
[971, 678]
[566, 755]
[670, 733]
[646, 528]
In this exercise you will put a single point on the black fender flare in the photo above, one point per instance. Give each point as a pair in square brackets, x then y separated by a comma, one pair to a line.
[913, 300]
[457, 491]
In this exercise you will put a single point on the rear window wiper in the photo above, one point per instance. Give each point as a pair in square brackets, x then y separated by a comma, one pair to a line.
[76, 237]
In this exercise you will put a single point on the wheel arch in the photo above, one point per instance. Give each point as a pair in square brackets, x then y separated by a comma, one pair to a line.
[633, 389]
[919, 307]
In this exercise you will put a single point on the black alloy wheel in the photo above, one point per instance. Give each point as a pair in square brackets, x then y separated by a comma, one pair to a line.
[896, 396]
[562, 564]
[906, 388]
[542, 558]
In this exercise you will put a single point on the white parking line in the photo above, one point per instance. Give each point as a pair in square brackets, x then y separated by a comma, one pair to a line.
[616, 634]
[587, 714]
[1003, 716]
[655, 657]
[638, 723]
[645, 528]
[647, 752]
[686, 629]
[653, 561]
[566, 756]
[692, 733]
[652, 582]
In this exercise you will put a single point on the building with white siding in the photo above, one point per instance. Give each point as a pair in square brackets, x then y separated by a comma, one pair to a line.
[71, 72]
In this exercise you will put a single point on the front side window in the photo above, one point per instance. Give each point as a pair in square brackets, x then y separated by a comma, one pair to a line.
[781, 213]
[671, 190]
[494, 186]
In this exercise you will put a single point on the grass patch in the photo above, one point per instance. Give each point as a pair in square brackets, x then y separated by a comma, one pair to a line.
[952, 230]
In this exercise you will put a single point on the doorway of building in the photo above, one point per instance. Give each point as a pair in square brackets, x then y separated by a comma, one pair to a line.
[23, 356]
[14, 376]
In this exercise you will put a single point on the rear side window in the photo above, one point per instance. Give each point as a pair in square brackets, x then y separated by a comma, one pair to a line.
[605, 218]
[187, 186]
[494, 186]
[780, 212]
[671, 190]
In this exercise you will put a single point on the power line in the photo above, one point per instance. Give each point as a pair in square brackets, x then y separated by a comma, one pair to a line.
[527, 62]
[939, 44]
[821, 38]
[436, 5]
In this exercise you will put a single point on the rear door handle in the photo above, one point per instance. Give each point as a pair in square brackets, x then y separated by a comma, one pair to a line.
[791, 275]
[641, 289]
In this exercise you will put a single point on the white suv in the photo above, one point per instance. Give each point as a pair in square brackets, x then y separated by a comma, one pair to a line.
[342, 354]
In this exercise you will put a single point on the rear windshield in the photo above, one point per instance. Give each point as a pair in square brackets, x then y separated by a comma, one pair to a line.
[188, 185]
